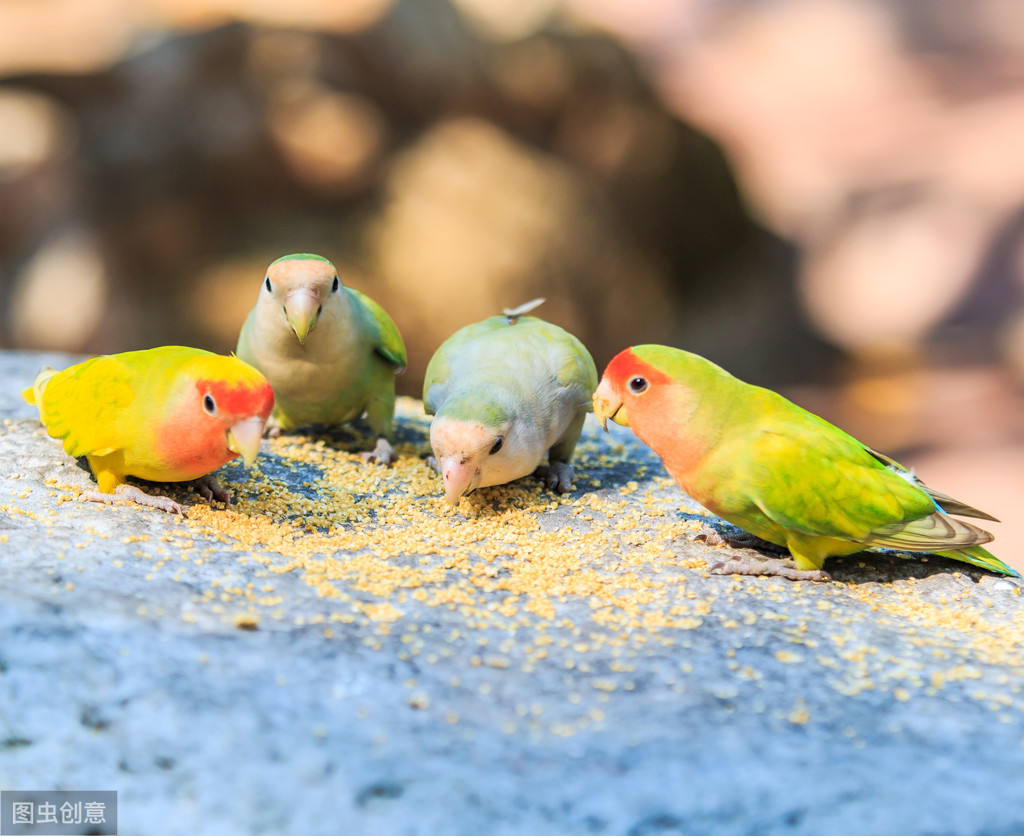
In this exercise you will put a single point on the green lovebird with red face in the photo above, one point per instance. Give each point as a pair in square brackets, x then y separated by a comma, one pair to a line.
[777, 471]
[168, 414]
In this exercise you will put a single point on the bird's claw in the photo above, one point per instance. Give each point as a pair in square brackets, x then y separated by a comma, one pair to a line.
[557, 476]
[209, 488]
[712, 538]
[133, 494]
[383, 453]
[778, 568]
[433, 464]
[741, 540]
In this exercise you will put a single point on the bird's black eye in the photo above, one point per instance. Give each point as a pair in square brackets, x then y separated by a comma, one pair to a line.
[336, 286]
[210, 405]
[637, 385]
[497, 445]
[270, 288]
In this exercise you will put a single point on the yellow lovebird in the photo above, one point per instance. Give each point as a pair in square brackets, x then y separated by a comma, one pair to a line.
[169, 414]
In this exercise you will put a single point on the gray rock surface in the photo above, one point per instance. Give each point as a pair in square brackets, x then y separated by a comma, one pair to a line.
[518, 666]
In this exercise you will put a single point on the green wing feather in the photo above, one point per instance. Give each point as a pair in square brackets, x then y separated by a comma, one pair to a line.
[825, 487]
[436, 378]
[387, 342]
[984, 559]
[818, 480]
[944, 501]
[579, 374]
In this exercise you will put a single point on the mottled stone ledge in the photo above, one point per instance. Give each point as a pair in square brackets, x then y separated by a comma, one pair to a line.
[342, 652]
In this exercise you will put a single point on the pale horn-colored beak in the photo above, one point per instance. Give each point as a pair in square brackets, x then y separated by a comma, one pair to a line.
[607, 405]
[244, 438]
[302, 307]
[458, 477]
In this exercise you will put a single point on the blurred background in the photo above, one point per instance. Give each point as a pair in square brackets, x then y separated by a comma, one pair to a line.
[824, 196]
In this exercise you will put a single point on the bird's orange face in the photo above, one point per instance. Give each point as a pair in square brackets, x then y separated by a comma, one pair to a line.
[216, 416]
[235, 413]
[637, 392]
[629, 391]
[301, 285]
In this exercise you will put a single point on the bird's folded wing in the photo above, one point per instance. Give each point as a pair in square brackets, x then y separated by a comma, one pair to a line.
[85, 406]
[387, 342]
[944, 501]
[578, 374]
[936, 532]
[821, 481]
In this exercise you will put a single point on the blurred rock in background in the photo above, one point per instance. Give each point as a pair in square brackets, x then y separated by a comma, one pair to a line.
[451, 159]
[821, 194]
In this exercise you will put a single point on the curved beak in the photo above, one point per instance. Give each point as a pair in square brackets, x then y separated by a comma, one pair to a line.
[244, 438]
[302, 307]
[458, 476]
[607, 405]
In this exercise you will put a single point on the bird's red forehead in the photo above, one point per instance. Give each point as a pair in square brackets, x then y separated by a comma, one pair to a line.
[240, 397]
[627, 364]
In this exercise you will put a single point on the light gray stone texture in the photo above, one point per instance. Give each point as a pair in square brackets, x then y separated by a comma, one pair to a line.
[803, 709]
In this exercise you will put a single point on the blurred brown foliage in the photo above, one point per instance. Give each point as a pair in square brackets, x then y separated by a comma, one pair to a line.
[452, 160]
[804, 190]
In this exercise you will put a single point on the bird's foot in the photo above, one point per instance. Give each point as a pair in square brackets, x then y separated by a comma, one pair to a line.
[779, 568]
[434, 464]
[742, 540]
[383, 453]
[712, 538]
[134, 494]
[209, 488]
[557, 476]
[272, 429]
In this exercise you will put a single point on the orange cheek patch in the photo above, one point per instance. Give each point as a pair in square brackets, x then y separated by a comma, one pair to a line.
[191, 441]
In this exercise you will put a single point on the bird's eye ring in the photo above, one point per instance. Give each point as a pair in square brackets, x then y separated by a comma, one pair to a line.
[637, 385]
[270, 288]
[210, 405]
[336, 286]
[497, 445]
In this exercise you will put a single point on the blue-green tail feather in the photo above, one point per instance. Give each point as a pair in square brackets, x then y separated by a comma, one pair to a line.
[982, 558]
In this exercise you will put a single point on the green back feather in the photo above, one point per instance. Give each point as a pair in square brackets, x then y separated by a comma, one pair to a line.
[495, 364]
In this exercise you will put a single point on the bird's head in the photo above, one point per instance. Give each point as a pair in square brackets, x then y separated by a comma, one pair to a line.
[305, 286]
[636, 381]
[477, 451]
[231, 401]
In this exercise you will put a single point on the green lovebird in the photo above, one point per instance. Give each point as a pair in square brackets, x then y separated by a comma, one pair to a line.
[504, 393]
[777, 471]
[330, 352]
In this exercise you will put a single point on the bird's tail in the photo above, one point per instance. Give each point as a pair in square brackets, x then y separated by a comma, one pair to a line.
[34, 393]
[983, 558]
